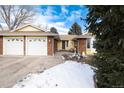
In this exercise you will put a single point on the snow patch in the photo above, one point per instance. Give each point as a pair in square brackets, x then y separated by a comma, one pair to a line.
[66, 75]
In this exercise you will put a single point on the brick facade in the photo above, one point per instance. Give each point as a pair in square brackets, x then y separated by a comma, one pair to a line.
[50, 43]
[1, 45]
[82, 45]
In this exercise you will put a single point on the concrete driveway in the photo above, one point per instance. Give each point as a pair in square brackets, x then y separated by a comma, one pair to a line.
[13, 68]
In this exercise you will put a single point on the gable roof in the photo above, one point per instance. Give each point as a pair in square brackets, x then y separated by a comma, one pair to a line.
[67, 37]
[16, 32]
[28, 25]
[72, 37]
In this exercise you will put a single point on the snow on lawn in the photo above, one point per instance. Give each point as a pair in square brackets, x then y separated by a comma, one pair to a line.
[66, 75]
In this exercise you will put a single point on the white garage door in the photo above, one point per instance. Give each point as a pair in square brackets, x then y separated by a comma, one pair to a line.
[36, 46]
[13, 46]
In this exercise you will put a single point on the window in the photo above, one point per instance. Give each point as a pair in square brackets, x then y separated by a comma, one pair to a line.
[75, 43]
[39, 40]
[17, 39]
[88, 43]
[44, 40]
[66, 43]
[13, 39]
[94, 44]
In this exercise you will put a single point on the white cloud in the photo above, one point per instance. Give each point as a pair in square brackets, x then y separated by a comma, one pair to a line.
[49, 11]
[60, 26]
[64, 12]
[64, 9]
[75, 15]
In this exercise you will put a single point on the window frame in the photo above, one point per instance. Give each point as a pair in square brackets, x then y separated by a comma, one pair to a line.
[88, 43]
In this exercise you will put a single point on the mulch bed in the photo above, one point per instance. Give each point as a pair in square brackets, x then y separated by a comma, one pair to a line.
[74, 57]
[79, 58]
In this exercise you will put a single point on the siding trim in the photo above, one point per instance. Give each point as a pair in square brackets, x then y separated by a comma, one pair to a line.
[1, 45]
[24, 45]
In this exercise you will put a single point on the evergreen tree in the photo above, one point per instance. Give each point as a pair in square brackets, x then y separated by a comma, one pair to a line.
[75, 29]
[53, 30]
[107, 24]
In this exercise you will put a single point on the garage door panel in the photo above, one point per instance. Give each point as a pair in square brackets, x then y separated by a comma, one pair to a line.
[13, 46]
[36, 46]
[33, 46]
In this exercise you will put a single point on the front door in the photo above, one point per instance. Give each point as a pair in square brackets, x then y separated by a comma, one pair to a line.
[63, 44]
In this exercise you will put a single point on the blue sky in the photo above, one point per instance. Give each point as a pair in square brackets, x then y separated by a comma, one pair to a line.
[61, 17]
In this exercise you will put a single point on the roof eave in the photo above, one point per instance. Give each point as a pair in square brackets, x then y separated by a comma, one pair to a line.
[26, 35]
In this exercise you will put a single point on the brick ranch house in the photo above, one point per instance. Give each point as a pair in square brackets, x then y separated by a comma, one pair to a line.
[31, 40]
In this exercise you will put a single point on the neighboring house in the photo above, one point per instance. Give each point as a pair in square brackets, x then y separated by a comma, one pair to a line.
[31, 40]
[82, 43]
